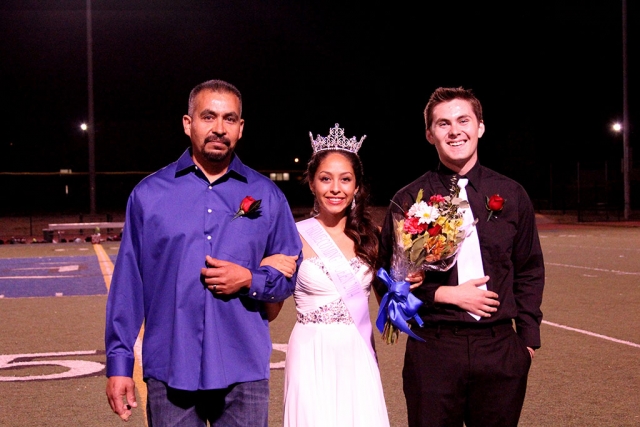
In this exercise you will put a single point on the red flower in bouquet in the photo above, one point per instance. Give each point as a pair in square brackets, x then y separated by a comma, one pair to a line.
[437, 200]
[412, 225]
[247, 205]
[494, 204]
[435, 230]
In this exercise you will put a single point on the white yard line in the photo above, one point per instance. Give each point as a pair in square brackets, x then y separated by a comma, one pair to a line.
[604, 270]
[592, 334]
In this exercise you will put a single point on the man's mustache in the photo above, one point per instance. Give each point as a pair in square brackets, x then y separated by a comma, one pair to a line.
[219, 139]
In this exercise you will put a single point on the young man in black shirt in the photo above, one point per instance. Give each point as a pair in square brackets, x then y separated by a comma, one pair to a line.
[480, 335]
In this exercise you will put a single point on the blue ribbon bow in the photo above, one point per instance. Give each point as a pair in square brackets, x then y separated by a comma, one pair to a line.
[399, 305]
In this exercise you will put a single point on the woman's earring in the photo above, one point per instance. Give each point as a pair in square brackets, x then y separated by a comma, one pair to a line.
[353, 203]
[316, 208]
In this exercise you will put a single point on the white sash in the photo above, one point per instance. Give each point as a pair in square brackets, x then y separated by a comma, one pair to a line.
[343, 277]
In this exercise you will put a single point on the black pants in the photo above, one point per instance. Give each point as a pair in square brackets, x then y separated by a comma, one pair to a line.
[476, 375]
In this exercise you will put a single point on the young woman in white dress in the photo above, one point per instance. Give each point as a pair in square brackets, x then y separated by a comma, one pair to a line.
[331, 372]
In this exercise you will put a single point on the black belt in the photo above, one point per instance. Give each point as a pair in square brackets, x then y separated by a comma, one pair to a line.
[463, 329]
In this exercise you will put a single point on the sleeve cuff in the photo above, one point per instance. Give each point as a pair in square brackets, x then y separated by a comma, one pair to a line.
[121, 366]
[531, 337]
[256, 290]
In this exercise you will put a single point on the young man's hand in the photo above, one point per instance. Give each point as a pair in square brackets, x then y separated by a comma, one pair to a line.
[469, 297]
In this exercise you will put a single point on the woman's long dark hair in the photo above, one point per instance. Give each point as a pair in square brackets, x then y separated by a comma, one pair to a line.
[359, 227]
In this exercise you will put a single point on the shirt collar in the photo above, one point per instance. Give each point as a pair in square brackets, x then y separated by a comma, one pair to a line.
[446, 175]
[236, 168]
[474, 176]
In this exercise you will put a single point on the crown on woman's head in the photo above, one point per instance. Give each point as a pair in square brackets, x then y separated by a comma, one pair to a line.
[336, 141]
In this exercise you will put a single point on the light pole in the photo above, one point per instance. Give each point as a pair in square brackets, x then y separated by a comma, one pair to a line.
[626, 157]
[617, 127]
[90, 128]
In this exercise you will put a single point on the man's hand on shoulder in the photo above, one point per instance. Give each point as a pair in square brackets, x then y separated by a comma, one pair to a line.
[224, 277]
[119, 389]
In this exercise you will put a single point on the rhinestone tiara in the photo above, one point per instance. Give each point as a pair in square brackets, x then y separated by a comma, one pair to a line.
[335, 141]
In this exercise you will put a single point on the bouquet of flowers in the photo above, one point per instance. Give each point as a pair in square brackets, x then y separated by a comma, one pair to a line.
[428, 237]
[430, 233]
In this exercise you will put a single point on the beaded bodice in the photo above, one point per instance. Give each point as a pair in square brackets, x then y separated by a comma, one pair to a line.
[316, 296]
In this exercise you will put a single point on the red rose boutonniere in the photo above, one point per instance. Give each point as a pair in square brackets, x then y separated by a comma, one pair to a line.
[494, 204]
[247, 205]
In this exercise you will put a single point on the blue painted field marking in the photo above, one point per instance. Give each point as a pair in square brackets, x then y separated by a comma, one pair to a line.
[51, 276]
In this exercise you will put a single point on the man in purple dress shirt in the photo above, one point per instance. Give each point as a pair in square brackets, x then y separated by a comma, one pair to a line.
[189, 268]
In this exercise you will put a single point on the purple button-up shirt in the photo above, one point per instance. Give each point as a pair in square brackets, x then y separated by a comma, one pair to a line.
[193, 339]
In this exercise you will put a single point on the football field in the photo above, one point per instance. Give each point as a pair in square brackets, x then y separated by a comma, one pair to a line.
[587, 373]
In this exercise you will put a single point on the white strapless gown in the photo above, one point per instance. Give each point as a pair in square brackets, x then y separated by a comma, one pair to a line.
[331, 378]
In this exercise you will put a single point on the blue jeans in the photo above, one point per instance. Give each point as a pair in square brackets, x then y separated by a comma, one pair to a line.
[239, 405]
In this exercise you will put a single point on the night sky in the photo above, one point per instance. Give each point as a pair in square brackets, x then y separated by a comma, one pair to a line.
[549, 75]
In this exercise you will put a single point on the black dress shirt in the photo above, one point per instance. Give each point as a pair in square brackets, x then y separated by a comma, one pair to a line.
[509, 243]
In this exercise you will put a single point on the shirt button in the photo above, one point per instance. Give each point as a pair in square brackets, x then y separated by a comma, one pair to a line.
[208, 237]
[209, 210]
[272, 297]
[255, 293]
[210, 187]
